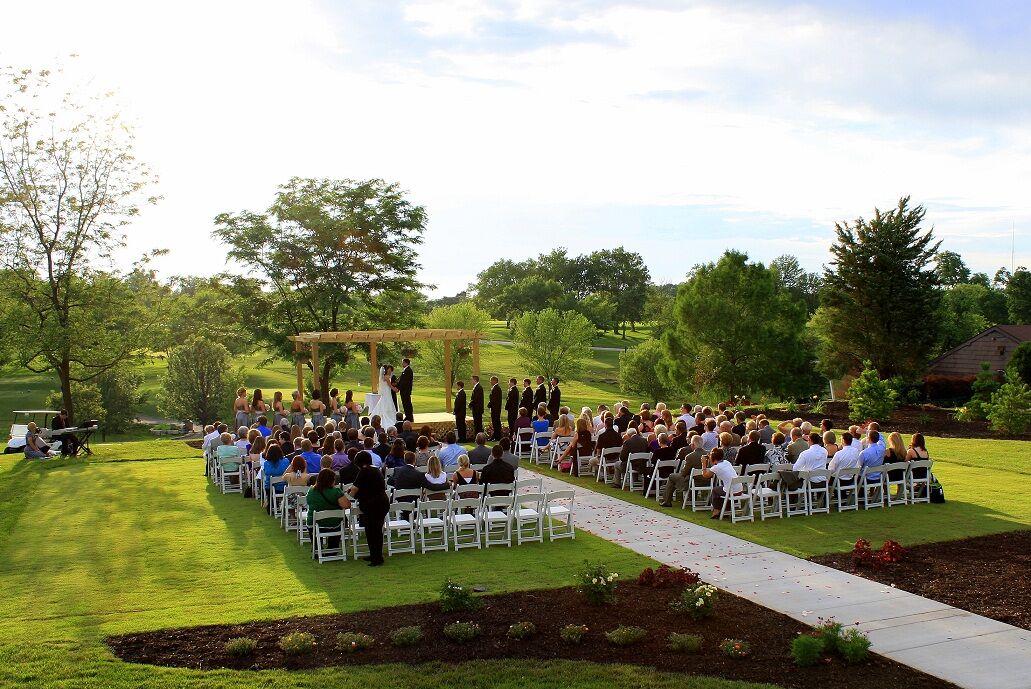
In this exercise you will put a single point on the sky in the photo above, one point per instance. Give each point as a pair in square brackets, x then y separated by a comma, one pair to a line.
[675, 129]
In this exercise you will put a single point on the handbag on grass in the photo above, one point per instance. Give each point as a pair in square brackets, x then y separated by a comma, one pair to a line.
[936, 492]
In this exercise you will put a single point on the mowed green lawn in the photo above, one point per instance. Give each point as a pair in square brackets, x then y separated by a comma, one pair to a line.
[137, 539]
[986, 488]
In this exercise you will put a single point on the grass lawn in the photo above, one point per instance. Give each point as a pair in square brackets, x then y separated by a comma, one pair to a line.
[985, 485]
[137, 539]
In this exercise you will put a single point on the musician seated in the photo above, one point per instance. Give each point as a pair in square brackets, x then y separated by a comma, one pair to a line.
[69, 443]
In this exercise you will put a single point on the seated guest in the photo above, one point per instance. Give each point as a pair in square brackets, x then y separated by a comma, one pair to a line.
[716, 466]
[918, 451]
[274, 466]
[35, 448]
[678, 438]
[241, 440]
[563, 428]
[751, 452]
[209, 434]
[797, 445]
[497, 471]
[409, 435]
[665, 450]
[323, 497]
[622, 419]
[775, 450]
[646, 424]
[738, 428]
[382, 448]
[437, 479]
[263, 427]
[480, 454]
[449, 452]
[422, 451]
[727, 427]
[541, 424]
[310, 456]
[599, 420]
[396, 457]
[370, 447]
[873, 456]
[826, 425]
[692, 459]
[352, 439]
[830, 441]
[255, 454]
[340, 457]
[506, 454]
[710, 438]
[428, 432]
[297, 474]
[523, 420]
[407, 476]
[229, 453]
[349, 472]
[847, 456]
[465, 475]
[699, 423]
[729, 446]
[653, 437]
[896, 452]
[813, 457]
[608, 438]
[582, 446]
[633, 444]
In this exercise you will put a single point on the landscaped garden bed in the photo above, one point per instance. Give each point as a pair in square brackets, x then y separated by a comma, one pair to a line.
[731, 638]
[987, 575]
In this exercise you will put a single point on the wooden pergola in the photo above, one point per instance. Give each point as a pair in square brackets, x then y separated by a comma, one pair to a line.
[311, 341]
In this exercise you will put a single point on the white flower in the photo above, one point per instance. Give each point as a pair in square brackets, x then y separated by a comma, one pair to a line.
[594, 580]
[611, 577]
[699, 603]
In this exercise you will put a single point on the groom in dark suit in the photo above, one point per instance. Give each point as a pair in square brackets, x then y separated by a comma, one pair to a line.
[460, 412]
[404, 387]
[526, 400]
[476, 406]
[495, 409]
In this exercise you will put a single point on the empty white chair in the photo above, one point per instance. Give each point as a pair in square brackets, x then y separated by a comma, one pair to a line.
[529, 485]
[766, 496]
[739, 499]
[528, 517]
[464, 519]
[558, 508]
[699, 491]
[496, 520]
[895, 486]
[757, 469]
[608, 463]
[400, 528]
[918, 477]
[431, 520]
[275, 496]
[663, 469]
[818, 491]
[495, 488]
[406, 495]
[846, 489]
[871, 490]
[538, 450]
[523, 443]
[631, 477]
[321, 535]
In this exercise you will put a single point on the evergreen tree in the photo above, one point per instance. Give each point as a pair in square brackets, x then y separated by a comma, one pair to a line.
[881, 292]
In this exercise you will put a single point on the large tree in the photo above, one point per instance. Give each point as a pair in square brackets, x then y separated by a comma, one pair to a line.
[881, 293]
[331, 255]
[738, 331]
[803, 285]
[68, 185]
[623, 277]
[553, 343]
[643, 370]
[1018, 294]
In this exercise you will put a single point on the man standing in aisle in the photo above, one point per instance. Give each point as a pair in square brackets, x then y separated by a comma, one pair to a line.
[512, 404]
[555, 399]
[526, 401]
[495, 409]
[476, 406]
[460, 412]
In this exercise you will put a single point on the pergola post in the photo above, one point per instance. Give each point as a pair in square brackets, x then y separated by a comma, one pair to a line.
[373, 368]
[299, 348]
[316, 383]
[447, 375]
[476, 356]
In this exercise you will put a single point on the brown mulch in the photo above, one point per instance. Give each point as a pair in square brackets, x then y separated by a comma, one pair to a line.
[769, 634]
[987, 575]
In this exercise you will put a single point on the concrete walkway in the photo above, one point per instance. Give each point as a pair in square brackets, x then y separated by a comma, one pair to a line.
[955, 645]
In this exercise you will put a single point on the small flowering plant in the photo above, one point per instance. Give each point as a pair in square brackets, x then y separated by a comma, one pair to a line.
[735, 648]
[863, 555]
[573, 633]
[597, 584]
[698, 601]
[666, 577]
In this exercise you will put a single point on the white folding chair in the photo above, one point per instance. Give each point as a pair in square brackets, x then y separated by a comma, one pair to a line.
[431, 520]
[528, 511]
[818, 491]
[496, 520]
[230, 477]
[529, 485]
[919, 487]
[321, 535]
[699, 491]
[663, 469]
[541, 441]
[472, 490]
[756, 469]
[506, 488]
[800, 505]
[356, 533]
[558, 508]
[582, 463]
[291, 496]
[523, 443]
[477, 467]
[275, 496]
[464, 519]
[871, 487]
[739, 499]
[846, 489]
[766, 496]
[559, 444]
[400, 528]
[631, 476]
[895, 488]
[608, 463]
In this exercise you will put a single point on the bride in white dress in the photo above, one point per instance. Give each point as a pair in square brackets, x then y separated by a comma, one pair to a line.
[385, 406]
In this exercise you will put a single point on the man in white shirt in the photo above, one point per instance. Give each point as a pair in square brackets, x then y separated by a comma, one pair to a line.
[599, 420]
[716, 465]
[685, 414]
[813, 458]
[449, 452]
[847, 456]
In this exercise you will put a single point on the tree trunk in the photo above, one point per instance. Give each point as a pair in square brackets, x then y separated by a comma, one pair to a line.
[64, 373]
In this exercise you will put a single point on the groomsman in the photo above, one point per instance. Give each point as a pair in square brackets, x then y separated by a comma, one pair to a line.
[526, 400]
[476, 406]
[460, 412]
[540, 396]
[495, 408]
[512, 404]
[555, 400]
[404, 386]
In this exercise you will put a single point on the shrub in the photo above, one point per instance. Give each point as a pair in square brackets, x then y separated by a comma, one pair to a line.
[1010, 409]
[983, 387]
[807, 650]
[462, 631]
[406, 636]
[684, 643]
[522, 630]
[455, 597]
[573, 633]
[853, 645]
[625, 636]
[864, 556]
[698, 601]
[597, 584]
[241, 646]
[735, 648]
[666, 577]
[352, 642]
[297, 643]
[869, 397]
[827, 632]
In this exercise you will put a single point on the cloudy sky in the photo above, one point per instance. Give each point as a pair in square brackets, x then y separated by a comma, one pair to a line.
[676, 129]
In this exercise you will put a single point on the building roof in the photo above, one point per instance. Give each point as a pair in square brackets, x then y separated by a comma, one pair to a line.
[1018, 333]
[1021, 333]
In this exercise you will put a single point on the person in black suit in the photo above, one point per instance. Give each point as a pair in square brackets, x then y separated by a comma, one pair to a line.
[393, 386]
[526, 401]
[476, 406]
[512, 404]
[495, 408]
[540, 396]
[406, 476]
[460, 411]
[404, 387]
[555, 399]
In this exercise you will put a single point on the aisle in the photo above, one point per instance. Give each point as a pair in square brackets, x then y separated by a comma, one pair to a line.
[961, 647]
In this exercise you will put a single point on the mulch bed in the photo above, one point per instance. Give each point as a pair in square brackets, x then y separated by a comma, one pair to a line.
[769, 634]
[987, 575]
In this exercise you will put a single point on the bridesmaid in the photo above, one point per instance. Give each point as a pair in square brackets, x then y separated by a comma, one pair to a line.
[258, 406]
[334, 406]
[279, 409]
[351, 410]
[297, 410]
[317, 408]
[242, 409]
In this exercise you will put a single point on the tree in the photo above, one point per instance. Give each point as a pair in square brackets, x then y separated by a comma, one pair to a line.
[623, 276]
[87, 399]
[462, 316]
[643, 371]
[331, 255]
[121, 397]
[658, 307]
[215, 308]
[199, 383]
[553, 343]
[736, 330]
[598, 309]
[951, 268]
[1021, 360]
[492, 284]
[801, 284]
[1018, 294]
[960, 316]
[869, 397]
[983, 387]
[880, 285]
[1010, 410]
[68, 185]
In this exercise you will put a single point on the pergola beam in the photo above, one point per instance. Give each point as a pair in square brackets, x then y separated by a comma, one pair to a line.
[388, 336]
